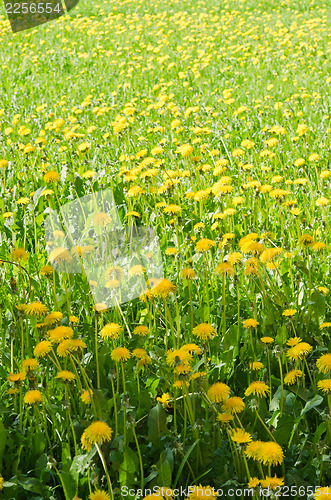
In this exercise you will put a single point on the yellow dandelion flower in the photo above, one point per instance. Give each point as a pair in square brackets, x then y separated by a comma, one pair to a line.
[99, 495]
[225, 269]
[240, 436]
[299, 351]
[188, 273]
[137, 270]
[250, 323]
[324, 385]
[111, 330]
[178, 356]
[132, 213]
[47, 271]
[18, 254]
[86, 396]
[172, 209]
[100, 307]
[112, 284]
[52, 176]
[319, 246]
[12, 390]
[42, 348]
[204, 245]
[326, 324]
[139, 353]
[253, 482]
[197, 375]
[204, 331]
[60, 333]
[89, 174]
[289, 312]
[322, 202]
[163, 288]
[77, 344]
[171, 251]
[23, 201]
[16, 377]
[293, 376]
[252, 449]
[258, 388]
[270, 453]
[64, 348]
[267, 340]
[96, 433]
[322, 492]
[32, 397]
[324, 363]
[218, 392]
[60, 255]
[35, 309]
[224, 418]
[278, 193]
[141, 330]
[102, 219]
[272, 482]
[292, 341]
[192, 348]
[270, 254]
[256, 365]
[185, 150]
[306, 240]
[53, 318]
[235, 258]
[66, 375]
[233, 405]
[164, 399]
[120, 354]
[30, 364]
[85, 146]
[252, 247]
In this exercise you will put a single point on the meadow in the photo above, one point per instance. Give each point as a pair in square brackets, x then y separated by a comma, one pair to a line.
[210, 122]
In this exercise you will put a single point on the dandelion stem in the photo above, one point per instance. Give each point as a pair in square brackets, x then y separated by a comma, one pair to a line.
[281, 386]
[97, 353]
[264, 425]
[102, 458]
[139, 456]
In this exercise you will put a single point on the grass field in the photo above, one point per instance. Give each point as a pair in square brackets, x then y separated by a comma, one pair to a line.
[210, 122]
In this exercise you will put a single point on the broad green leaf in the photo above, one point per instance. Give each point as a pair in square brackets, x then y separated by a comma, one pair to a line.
[317, 302]
[127, 469]
[81, 462]
[320, 431]
[68, 485]
[316, 401]
[3, 439]
[66, 457]
[31, 484]
[284, 428]
[167, 455]
[156, 423]
[183, 462]
[164, 476]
